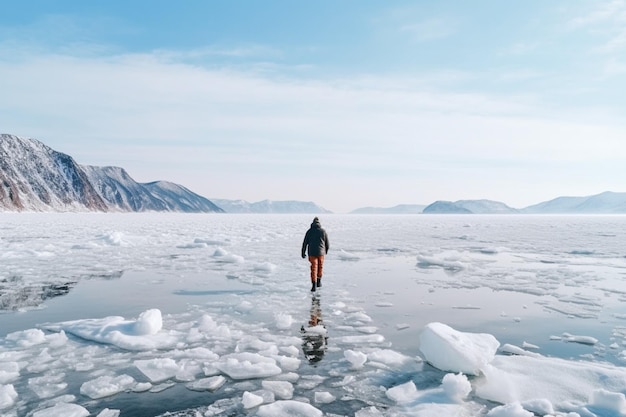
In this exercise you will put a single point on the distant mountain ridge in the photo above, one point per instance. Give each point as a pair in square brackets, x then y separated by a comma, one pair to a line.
[269, 206]
[469, 207]
[607, 202]
[34, 177]
[399, 209]
[604, 203]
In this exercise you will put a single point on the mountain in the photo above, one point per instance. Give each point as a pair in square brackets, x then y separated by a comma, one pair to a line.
[34, 177]
[268, 206]
[486, 207]
[399, 209]
[604, 203]
[121, 192]
[469, 207]
[445, 207]
[174, 195]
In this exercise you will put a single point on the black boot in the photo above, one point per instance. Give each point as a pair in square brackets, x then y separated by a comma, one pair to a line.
[319, 282]
[313, 286]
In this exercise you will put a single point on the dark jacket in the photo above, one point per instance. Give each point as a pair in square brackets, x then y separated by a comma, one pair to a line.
[316, 240]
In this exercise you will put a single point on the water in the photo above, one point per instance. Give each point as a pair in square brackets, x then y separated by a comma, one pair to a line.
[524, 279]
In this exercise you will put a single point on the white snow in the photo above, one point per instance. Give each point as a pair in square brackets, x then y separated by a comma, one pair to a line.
[281, 389]
[525, 378]
[248, 365]
[109, 413]
[608, 401]
[8, 396]
[63, 410]
[250, 400]
[47, 386]
[106, 386]
[456, 386]
[9, 371]
[141, 334]
[586, 340]
[284, 321]
[223, 256]
[451, 350]
[448, 262]
[324, 397]
[403, 393]
[357, 359]
[207, 384]
[369, 412]
[159, 369]
[288, 408]
[509, 410]
[347, 256]
[27, 338]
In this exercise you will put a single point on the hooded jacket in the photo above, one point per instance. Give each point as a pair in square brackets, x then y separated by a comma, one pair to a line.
[316, 240]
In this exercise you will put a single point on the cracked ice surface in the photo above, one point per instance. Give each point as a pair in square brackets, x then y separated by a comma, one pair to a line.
[187, 315]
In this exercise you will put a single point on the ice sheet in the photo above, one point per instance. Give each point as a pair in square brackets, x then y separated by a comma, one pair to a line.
[183, 307]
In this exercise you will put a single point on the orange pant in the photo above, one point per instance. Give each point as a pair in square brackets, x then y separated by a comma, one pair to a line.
[317, 267]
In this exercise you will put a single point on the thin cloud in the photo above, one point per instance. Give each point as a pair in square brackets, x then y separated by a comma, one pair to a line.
[612, 11]
[615, 67]
[238, 51]
[430, 29]
[149, 114]
[144, 96]
[607, 23]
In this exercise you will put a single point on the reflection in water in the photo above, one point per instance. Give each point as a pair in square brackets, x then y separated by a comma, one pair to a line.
[12, 298]
[17, 293]
[314, 336]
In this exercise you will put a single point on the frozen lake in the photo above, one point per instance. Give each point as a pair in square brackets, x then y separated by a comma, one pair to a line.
[199, 315]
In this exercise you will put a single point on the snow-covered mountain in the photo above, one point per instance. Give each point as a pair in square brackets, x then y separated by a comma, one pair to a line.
[469, 207]
[604, 203]
[121, 192]
[175, 195]
[486, 207]
[268, 206]
[445, 207]
[34, 177]
[399, 209]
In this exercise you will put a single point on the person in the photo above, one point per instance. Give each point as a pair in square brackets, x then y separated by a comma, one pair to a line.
[314, 336]
[316, 241]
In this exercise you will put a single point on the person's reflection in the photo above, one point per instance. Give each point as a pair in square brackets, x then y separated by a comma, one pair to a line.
[314, 335]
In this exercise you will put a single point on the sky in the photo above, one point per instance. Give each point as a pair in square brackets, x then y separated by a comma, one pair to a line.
[348, 104]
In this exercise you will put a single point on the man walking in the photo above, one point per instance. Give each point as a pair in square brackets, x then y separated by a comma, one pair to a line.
[316, 240]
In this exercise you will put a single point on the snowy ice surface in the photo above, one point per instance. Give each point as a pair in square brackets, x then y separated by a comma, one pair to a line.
[202, 315]
[451, 350]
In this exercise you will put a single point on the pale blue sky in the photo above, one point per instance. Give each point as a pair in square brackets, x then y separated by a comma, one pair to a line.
[344, 103]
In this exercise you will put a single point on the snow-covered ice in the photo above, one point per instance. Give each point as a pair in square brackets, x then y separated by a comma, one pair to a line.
[105, 386]
[288, 408]
[8, 395]
[144, 333]
[250, 400]
[450, 350]
[501, 316]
